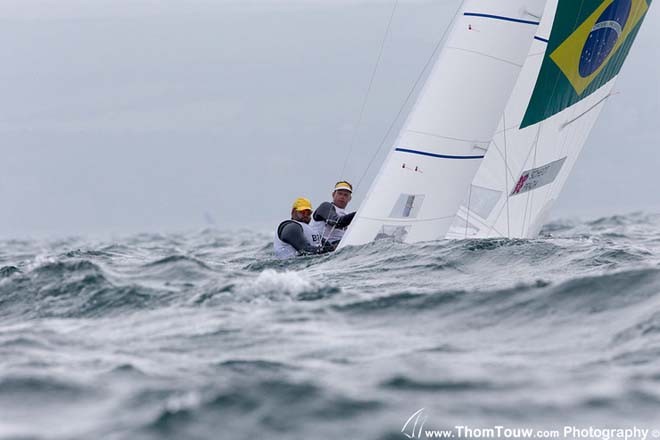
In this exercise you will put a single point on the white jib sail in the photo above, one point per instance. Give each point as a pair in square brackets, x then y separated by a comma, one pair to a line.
[526, 168]
[423, 180]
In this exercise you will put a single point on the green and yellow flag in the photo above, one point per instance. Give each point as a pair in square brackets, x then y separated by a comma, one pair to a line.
[589, 42]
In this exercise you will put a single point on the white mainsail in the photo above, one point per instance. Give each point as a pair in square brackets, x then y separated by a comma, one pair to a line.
[421, 185]
[526, 166]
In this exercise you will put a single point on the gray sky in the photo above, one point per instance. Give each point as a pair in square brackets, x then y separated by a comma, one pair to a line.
[145, 115]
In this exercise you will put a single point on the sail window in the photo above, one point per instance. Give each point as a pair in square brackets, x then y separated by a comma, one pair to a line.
[481, 201]
[407, 206]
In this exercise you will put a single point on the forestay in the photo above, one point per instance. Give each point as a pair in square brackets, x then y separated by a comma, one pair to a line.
[568, 76]
[422, 183]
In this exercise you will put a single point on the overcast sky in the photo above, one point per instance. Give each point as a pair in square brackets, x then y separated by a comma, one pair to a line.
[124, 116]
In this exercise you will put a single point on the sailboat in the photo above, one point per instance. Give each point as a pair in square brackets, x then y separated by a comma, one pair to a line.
[501, 120]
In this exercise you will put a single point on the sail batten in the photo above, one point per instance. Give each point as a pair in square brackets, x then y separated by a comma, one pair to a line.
[500, 17]
[436, 155]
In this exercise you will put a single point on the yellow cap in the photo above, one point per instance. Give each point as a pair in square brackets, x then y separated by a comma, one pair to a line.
[343, 185]
[302, 204]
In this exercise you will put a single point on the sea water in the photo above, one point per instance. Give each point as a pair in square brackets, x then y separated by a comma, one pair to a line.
[203, 335]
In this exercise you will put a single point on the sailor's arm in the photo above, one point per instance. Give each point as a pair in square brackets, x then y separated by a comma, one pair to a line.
[345, 220]
[326, 213]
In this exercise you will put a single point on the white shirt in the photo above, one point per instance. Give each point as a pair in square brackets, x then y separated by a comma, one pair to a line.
[285, 250]
[329, 232]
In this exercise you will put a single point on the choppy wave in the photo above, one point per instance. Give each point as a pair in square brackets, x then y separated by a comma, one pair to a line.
[205, 335]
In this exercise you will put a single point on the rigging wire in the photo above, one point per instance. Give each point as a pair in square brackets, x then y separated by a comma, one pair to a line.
[506, 180]
[530, 199]
[467, 216]
[371, 82]
[410, 94]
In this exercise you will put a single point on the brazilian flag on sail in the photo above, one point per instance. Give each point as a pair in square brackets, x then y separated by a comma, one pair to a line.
[589, 42]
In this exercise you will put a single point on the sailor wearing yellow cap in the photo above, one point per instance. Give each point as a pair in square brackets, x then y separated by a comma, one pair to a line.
[294, 237]
[330, 219]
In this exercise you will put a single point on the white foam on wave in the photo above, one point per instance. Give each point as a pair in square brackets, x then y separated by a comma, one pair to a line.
[182, 402]
[40, 260]
[270, 282]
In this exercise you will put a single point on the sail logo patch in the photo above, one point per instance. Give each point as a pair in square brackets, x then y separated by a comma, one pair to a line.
[583, 55]
[588, 44]
[538, 177]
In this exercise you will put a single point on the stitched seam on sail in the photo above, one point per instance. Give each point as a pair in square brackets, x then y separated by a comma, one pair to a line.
[470, 141]
[485, 55]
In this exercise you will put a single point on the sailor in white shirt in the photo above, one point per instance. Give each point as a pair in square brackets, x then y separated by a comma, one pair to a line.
[330, 219]
[295, 237]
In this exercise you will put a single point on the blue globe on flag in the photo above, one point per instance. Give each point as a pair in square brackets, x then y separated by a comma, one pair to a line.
[604, 35]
